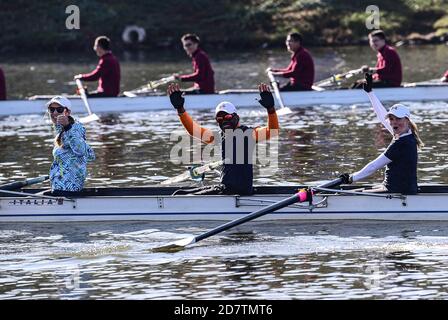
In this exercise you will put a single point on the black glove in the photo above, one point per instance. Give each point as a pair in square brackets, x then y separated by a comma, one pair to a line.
[367, 85]
[177, 100]
[346, 178]
[267, 100]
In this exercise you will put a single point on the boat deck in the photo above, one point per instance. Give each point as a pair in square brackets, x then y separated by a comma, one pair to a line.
[168, 191]
[158, 204]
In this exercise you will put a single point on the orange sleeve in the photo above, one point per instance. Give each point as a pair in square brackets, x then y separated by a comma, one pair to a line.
[195, 130]
[266, 133]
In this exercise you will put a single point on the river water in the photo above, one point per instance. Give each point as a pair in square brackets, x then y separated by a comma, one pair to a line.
[284, 260]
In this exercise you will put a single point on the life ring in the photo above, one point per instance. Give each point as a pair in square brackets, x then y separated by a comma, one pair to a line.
[133, 34]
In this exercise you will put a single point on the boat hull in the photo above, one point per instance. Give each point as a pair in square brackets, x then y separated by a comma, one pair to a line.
[428, 206]
[241, 100]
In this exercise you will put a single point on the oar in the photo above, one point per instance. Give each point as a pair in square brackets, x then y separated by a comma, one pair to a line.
[149, 86]
[20, 184]
[194, 172]
[335, 79]
[300, 196]
[283, 110]
[92, 116]
[427, 83]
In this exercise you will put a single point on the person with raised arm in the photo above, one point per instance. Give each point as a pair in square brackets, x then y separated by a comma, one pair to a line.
[71, 152]
[401, 156]
[237, 140]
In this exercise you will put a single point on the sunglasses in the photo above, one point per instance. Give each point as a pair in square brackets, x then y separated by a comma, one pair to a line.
[58, 109]
[221, 119]
[187, 45]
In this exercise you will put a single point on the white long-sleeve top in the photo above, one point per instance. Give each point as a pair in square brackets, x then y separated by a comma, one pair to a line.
[380, 111]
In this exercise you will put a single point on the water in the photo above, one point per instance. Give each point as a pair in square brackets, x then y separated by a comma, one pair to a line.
[258, 260]
[305, 260]
[315, 143]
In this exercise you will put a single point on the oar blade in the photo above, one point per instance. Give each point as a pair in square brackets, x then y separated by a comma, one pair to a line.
[90, 118]
[175, 246]
[129, 94]
[284, 111]
[317, 88]
[180, 178]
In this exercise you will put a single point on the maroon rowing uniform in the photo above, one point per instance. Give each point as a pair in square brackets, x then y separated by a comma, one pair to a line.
[107, 73]
[388, 66]
[203, 74]
[2, 85]
[300, 70]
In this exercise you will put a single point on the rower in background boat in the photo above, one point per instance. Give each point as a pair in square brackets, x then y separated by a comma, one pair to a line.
[237, 171]
[203, 74]
[300, 70]
[388, 71]
[2, 85]
[107, 71]
[71, 152]
[401, 156]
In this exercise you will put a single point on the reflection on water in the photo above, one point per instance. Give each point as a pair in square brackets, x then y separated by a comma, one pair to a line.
[287, 260]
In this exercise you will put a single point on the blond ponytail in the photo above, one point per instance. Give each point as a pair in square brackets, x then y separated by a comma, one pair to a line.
[414, 130]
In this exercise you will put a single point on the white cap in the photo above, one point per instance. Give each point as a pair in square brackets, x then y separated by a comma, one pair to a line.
[226, 107]
[60, 100]
[400, 111]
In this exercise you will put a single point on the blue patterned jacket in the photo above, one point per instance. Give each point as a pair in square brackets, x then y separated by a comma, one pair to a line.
[69, 169]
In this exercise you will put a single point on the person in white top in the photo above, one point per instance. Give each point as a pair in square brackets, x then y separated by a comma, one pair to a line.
[400, 158]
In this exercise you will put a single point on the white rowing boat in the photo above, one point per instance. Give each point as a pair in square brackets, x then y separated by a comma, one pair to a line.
[243, 98]
[158, 204]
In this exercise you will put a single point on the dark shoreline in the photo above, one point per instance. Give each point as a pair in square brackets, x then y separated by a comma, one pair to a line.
[221, 24]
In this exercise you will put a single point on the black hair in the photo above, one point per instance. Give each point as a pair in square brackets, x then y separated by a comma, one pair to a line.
[378, 33]
[296, 36]
[103, 42]
[192, 37]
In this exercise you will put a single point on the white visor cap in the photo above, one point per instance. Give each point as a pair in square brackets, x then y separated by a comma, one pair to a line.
[400, 111]
[226, 107]
[60, 100]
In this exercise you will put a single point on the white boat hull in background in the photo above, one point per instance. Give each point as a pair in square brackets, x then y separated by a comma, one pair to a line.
[241, 100]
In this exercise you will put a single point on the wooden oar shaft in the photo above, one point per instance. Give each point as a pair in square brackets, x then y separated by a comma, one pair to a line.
[334, 78]
[149, 86]
[157, 83]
